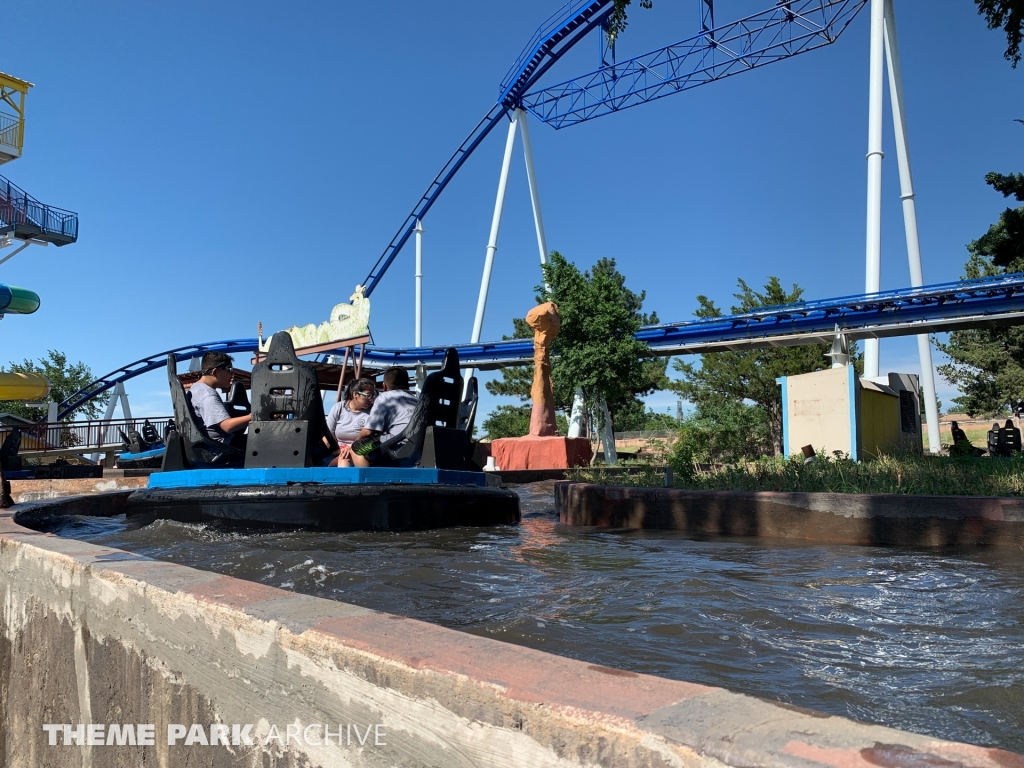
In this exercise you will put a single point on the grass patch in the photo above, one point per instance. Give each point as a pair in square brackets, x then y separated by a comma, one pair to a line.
[908, 474]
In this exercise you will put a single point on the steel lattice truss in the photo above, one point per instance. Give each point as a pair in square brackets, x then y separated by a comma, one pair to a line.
[788, 29]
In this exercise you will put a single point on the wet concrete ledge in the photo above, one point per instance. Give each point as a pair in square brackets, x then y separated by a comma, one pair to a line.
[828, 518]
[90, 634]
[39, 490]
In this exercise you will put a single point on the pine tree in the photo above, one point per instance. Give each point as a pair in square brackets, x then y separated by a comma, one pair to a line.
[987, 364]
[726, 380]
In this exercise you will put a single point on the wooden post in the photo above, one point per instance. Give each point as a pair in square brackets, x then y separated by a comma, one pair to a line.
[341, 376]
[359, 365]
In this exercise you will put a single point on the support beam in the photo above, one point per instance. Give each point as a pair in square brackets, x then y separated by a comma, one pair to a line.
[531, 178]
[16, 251]
[576, 416]
[419, 282]
[872, 277]
[899, 120]
[611, 457]
[492, 240]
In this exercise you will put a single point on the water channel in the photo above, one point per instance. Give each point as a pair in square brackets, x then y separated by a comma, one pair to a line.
[925, 640]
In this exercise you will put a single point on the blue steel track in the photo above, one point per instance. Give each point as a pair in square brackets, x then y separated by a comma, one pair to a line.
[937, 308]
[787, 29]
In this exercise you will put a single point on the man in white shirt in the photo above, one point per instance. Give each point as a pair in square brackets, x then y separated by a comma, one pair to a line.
[390, 414]
[219, 424]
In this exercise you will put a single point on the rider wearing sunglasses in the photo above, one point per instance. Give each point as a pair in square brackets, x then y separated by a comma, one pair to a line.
[349, 417]
[219, 424]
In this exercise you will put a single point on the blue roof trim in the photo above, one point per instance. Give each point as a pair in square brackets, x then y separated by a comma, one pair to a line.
[206, 478]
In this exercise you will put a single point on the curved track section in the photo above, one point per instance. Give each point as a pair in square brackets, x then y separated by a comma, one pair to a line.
[147, 364]
[904, 312]
[550, 42]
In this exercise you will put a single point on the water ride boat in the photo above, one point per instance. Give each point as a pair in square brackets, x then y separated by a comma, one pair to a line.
[142, 451]
[276, 479]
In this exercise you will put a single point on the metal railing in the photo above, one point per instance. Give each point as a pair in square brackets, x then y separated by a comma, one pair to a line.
[19, 207]
[10, 130]
[645, 434]
[555, 21]
[78, 436]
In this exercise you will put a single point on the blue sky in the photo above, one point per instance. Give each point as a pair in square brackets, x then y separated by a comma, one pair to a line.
[235, 162]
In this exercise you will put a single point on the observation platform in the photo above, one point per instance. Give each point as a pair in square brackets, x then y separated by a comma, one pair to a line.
[12, 116]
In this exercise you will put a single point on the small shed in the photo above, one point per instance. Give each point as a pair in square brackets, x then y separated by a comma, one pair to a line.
[836, 410]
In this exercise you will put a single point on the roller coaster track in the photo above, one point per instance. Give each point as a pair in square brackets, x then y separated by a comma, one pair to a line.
[992, 301]
[789, 28]
[550, 42]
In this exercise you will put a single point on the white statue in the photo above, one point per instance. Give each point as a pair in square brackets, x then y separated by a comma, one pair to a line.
[347, 320]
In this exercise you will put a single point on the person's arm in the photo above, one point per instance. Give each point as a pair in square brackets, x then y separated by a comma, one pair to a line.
[235, 424]
[367, 432]
[332, 418]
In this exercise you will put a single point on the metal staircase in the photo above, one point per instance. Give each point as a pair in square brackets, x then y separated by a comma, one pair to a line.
[24, 217]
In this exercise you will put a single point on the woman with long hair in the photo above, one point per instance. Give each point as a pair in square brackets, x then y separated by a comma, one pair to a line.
[348, 417]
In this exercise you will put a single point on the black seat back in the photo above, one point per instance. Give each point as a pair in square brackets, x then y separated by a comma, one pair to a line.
[288, 424]
[467, 412]
[1009, 440]
[188, 446]
[237, 401]
[150, 435]
[9, 459]
[437, 411]
[135, 442]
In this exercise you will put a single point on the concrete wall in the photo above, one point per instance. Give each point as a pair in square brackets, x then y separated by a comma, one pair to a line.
[91, 634]
[828, 518]
[818, 409]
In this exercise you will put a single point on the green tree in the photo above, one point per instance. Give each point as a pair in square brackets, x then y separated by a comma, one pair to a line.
[514, 421]
[726, 379]
[1008, 14]
[595, 348]
[987, 364]
[617, 19]
[516, 380]
[635, 416]
[721, 432]
[65, 379]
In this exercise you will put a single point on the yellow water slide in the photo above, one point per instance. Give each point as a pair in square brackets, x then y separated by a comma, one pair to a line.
[24, 386]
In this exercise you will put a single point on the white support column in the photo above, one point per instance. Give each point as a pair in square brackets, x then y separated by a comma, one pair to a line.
[492, 241]
[531, 178]
[419, 282]
[872, 278]
[109, 413]
[576, 415]
[611, 457]
[924, 347]
[126, 410]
